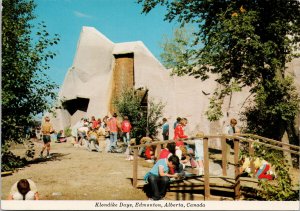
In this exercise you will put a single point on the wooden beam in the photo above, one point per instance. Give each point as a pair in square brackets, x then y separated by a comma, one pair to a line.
[270, 140]
[237, 191]
[5, 173]
[224, 157]
[135, 167]
[206, 169]
[251, 157]
[158, 150]
[191, 141]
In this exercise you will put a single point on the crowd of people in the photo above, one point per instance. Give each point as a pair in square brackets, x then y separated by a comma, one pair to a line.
[169, 164]
[176, 156]
[87, 133]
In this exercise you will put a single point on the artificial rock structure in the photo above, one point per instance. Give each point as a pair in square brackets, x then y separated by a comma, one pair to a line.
[102, 69]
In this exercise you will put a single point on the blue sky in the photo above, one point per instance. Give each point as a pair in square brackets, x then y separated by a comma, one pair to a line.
[118, 20]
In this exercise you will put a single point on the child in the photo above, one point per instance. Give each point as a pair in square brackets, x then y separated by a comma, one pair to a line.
[263, 170]
[128, 151]
[159, 178]
[199, 155]
[168, 151]
[60, 137]
[181, 150]
[149, 153]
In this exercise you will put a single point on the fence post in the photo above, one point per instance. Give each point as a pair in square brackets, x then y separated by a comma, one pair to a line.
[251, 157]
[206, 170]
[135, 167]
[224, 157]
[237, 192]
[158, 149]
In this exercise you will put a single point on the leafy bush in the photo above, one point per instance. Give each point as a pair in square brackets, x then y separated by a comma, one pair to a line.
[9, 161]
[144, 120]
[281, 188]
[275, 108]
[68, 132]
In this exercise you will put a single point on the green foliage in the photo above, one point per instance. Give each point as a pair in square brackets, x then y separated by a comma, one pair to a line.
[9, 161]
[281, 189]
[214, 111]
[177, 52]
[68, 132]
[154, 117]
[129, 104]
[246, 41]
[276, 105]
[26, 89]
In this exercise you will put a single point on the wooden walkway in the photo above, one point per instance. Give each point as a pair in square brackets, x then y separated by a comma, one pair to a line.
[236, 184]
[219, 184]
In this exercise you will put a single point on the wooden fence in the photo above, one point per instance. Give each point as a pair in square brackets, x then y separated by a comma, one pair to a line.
[250, 138]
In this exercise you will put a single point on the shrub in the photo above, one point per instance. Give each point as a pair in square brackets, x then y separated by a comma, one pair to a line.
[144, 120]
[68, 132]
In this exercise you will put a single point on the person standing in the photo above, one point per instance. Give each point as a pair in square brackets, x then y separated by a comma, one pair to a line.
[177, 122]
[230, 130]
[113, 132]
[179, 132]
[75, 131]
[165, 129]
[47, 129]
[94, 122]
[181, 150]
[199, 153]
[126, 128]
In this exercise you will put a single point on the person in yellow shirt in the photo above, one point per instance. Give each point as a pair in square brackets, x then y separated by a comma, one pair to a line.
[46, 129]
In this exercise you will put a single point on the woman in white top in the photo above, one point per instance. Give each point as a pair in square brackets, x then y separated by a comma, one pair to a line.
[25, 189]
[199, 154]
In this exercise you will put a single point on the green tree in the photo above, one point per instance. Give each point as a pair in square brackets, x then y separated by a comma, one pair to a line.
[26, 89]
[177, 51]
[242, 42]
[145, 121]
[276, 105]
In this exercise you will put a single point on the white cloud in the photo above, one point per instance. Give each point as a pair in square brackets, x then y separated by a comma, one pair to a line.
[81, 15]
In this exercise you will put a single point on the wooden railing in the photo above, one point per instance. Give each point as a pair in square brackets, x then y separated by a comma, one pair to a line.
[250, 138]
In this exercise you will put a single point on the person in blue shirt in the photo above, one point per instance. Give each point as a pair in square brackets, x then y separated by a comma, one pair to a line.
[177, 122]
[165, 129]
[159, 178]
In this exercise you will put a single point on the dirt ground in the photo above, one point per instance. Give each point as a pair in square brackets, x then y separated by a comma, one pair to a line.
[77, 174]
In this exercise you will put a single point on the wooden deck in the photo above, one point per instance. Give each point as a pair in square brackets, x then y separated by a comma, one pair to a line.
[234, 186]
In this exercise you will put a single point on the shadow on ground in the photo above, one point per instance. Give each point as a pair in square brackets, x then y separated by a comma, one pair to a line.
[54, 157]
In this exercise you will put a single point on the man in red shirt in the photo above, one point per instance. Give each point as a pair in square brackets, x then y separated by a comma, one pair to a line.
[126, 128]
[113, 132]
